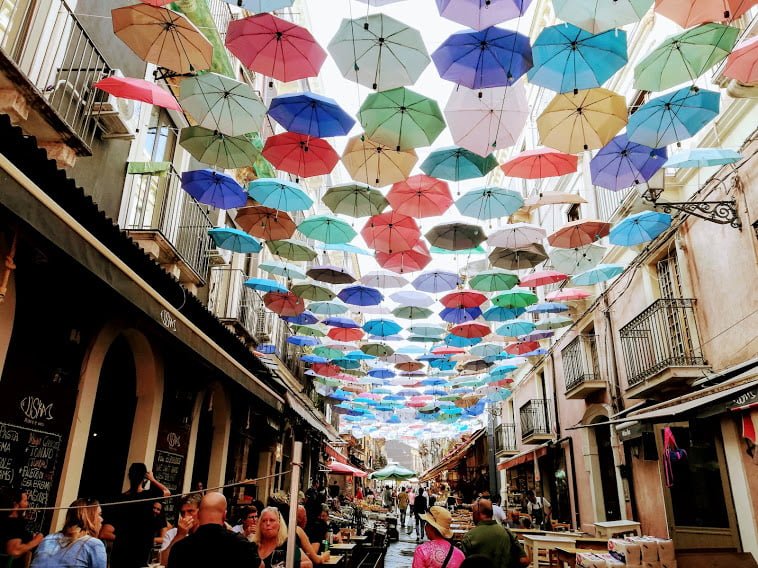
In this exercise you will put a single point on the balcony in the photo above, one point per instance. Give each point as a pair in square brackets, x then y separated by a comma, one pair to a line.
[234, 304]
[536, 421]
[505, 440]
[661, 349]
[580, 367]
[169, 225]
[48, 64]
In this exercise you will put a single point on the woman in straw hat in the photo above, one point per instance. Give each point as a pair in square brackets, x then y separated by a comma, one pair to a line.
[439, 552]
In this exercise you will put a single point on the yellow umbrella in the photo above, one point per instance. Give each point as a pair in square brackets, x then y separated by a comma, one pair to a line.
[376, 164]
[163, 37]
[586, 119]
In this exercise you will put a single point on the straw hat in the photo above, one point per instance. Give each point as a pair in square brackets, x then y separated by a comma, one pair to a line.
[440, 519]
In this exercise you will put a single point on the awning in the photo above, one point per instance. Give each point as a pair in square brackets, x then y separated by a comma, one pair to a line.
[345, 469]
[334, 454]
[523, 457]
[306, 413]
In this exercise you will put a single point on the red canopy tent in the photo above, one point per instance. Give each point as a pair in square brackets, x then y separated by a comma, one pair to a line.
[345, 469]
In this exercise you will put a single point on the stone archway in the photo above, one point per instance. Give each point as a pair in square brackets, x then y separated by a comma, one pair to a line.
[221, 424]
[593, 414]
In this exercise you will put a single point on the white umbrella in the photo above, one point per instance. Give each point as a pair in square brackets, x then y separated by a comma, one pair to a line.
[383, 279]
[517, 235]
[571, 261]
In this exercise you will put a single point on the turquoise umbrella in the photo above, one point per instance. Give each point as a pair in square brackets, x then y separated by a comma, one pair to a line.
[265, 285]
[515, 327]
[279, 194]
[455, 164]
[600, 273]
[327, 229]
[496, 313]
[284, 269]
[489, 203]
[234, 240]
[343, 247]
[639, 228]
[327, 308]
[597, 16]
[702, 158]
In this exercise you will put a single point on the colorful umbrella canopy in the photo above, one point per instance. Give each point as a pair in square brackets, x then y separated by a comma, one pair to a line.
[517, 258]
[234, 240]
[455, 164]
[600, 273]
[310, 114]
[573, 260]
[369, 162]
[302, 340]
[420, 196]
[394, 472]
[361, 296]
[221, 103]
[354, 200]
[470, 329]
[568, 295]
[700, 11]
[163, 37]
[540, 163]
[463, 299]
[217, 149]
[391, 232]
[742, 63]
[702, 158]
[284, 304]
[568, 58]
[492, 57]
[597, 16]
[547, 308]
[478, 14]
[554, 323]
[401, 119]
[327, 229]
[378, 350]
[279, 194]
[292, 249]
[583, 120]
[305, 318]
[310, 291]
[436, 281]
[346, 334]
[379, 52]
[265, 285]
[381, 327]
[621, 164]
[639, 228]
[214, 188]
[522, 347]
[553, 198]
[684, 57]
[517, 235]
[673, 117]
[345, 323]
[383, 279]
[494, 279]
[416, 258]
[483, 121]
[300, 155]
[265, 223]
[138, 90]
[579, 233]
[542, 278]
[289, 271]
[489, 203]
[275, 47]
[455, 236]
[515, 298]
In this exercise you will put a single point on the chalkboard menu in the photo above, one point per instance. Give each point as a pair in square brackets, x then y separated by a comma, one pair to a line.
[168, 467]
[28, 460]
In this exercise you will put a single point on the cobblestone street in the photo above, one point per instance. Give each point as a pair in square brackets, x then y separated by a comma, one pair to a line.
[400, 553]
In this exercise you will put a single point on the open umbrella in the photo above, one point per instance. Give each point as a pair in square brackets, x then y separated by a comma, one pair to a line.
[703, 158]
[463, 299]
[346, 334]
[285, 269]
[214, 188]
[471, 329]
[460, 315]
[310, 114]
[621, 164]
[292, 249]
[540, 163]
[547, 308]
[582, 120]
[163, 37]
[138, 90]
[265, 285]
[323, 308]
[426, 330]
[489, 203]
[217, 149]
[378, 350]
[221, 103]
[354, 200]
[361, 296]
[234, 240]
[496, 313]
[302, 340]
[345, 323]
[379, 52]
[479, 14]
[673, 117]
[416, 258]
[597, 16]
[304, 318]
[494, 279]
[265, 223]
[552, 198]
[600, 273]
[401, 119]
[412, 312]
[279, 194]
[517, 258]
[568, 295]
[369, 162]
[517, 235]
[542, 278]
[515, 328]
[455, 164]
[258, 6]
[391, 232]
[522, 347]
[579, 233]
[742, 63]
[492, 57]
[436, 281]
[275, 47]
[696, 12]
[330, 274]
[300, 155]
[684, 57]
[484, 121]
[455, 236]
[383, 279]
[310, 291]
[327, 229]
[420, 196]
[573, 260]
[284, 304]
[515, 298]
[393, 472]
[639, 228]
[568, 58]
[381, 327]
[412, 298]
[556, 322]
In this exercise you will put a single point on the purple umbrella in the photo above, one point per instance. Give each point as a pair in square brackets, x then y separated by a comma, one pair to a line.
[361, 296]
[305, 318]
[345, 323]
[214, 188]
[460, 315]
[538, 334]
[622, 164]
[492, 57]
[480, 14]
[436, 281]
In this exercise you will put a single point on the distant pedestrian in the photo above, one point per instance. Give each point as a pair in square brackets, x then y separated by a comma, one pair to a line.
[402, 504]
[491, 539]
[439, 552]
[387, 501]
[77, 545]
[419, 508]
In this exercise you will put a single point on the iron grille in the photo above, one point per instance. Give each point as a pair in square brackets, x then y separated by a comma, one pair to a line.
[536, 417]
[580, 361]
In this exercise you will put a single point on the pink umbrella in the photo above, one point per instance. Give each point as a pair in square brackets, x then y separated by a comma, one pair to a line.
[693, 12]
[275, 47]
[540, 163]
[420, 196]
[567, 295]
[447, 350]
[405, 261]
[542, 278]
[579, 233]
[742, 63]
[138, 90]
[391, 232]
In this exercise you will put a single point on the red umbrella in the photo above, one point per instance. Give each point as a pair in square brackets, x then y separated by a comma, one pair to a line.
[326, 369]
[542, 278]
[471, 329]
[284, 304]
[345, 333]
[266, 223]
[300, 155]
[275, 48]
[579, 233]
[540, 163]
[407, 260]
[447, 350]
[138, 90]
[463, 299]
[420, 196]
[521, 347]
[567, 295]
[391, 232]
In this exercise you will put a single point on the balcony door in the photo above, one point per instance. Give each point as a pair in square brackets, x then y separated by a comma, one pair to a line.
[15, 20]
[670, 285]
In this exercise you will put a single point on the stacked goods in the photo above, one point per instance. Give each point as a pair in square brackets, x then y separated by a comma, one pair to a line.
[631, 552]
[594, 560]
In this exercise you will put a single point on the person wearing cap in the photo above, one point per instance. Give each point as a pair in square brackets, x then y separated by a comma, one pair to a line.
[491, 539]
[438, 551]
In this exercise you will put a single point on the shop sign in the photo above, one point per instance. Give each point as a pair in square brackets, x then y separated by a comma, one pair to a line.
[168, 321]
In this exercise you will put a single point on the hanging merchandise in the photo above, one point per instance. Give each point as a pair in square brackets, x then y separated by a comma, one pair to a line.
[671, 454]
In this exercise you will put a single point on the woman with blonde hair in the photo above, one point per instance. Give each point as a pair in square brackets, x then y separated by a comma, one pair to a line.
[271, 538]
[77, 545]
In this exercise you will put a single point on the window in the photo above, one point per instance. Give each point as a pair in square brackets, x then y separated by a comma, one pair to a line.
[639, 99]
[15, 19]
[669, 280]
[160, 139]
[574, 213]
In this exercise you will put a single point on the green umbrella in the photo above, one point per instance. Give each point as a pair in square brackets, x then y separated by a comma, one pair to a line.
[355, 200]
[327, 352]
[217, 149]
[464, 252]
[327, 381]
[554, 322]
[423, 339]
[412, 312]
[516, 298]
[327, 229]
[309, 291]
[292, 249]
[455, 164]
[377, 349]
[284, 269]
[426, 330]
[401, 119]
[308, 330]
[394, 472]
[684, 57]
[494, 280]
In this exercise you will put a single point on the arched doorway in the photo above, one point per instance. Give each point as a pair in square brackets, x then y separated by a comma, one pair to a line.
[209, 439]
[607, 469]
[204, 443]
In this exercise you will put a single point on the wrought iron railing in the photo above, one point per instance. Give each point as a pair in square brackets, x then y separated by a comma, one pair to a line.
[536, 417]
[609, 202]
[663, 335]
[580, 362]
[505, 438]
[230, 301]
[156, 202]
[48, 44]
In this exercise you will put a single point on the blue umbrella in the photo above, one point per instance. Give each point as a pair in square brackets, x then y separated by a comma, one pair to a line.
[346, 363]
[381, 373]
[234, 240]
[279, 194]
[621, 163]
[458, 341]
[359, 355]
[305, 318]
[492, 57]
[436, 281]
[345, 323]
[567, 58]
[434, 391]
[502, 370]
[543, 308]
[382, 327]
[486, 349]
[310, 114]
[345, 247]
[489, 203]
[266, 348]
[431, 357]
[303, 340]
[702, 158]
[460, 315]
[639, 228]
[536, 353]
[361, 296]
[265, 285]
[496, 313]
[313, 359]
[214, 188]
[673, 117]
[327, 308]
[600, 273]
[443, 365]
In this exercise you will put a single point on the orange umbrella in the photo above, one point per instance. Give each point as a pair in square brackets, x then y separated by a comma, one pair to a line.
[742, 63]
[266, 223]
[284, 304]
[420, 196]
[409, 366]
[579, 233]
[693, 12]
[540, 163]
[346, 333]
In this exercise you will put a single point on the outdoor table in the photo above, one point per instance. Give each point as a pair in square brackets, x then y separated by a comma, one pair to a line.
[358, 539]
[566, 554]
[458, 533]
[334, 560]
[533, 543]
[346, 549]
[609, 529]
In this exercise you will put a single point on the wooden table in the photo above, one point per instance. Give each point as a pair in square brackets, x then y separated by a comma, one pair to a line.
[566, 554]
[358, 539]
[608, 529]
[533, 543]
[334, 560]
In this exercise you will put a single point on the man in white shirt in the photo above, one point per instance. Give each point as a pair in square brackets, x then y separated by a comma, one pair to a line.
[539, 508]
[497, 511]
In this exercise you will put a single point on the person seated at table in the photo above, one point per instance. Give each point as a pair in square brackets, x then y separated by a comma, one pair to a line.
[271, 538]
[317, 530]
[526, 522]
[438, 551]
[309, 547]
[248, 524]
[491, 539]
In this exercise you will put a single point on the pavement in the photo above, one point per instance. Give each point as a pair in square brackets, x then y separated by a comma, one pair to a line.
[400, 553]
